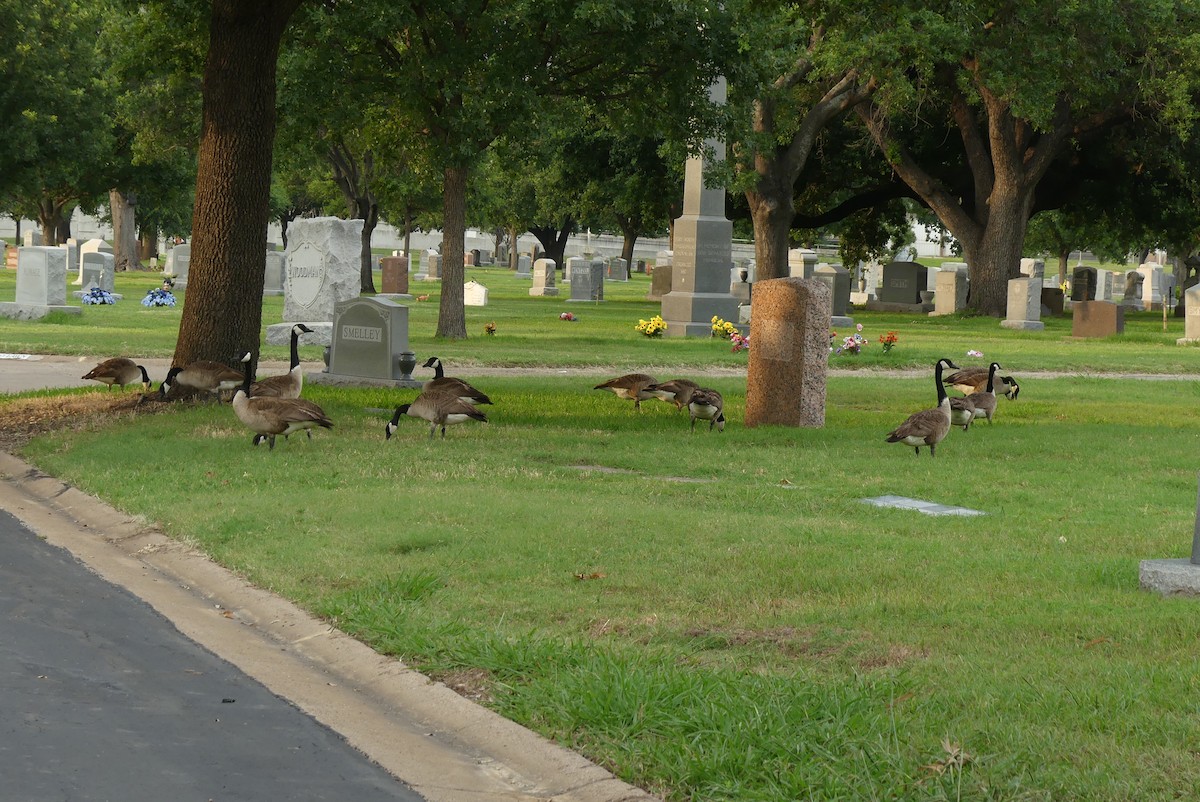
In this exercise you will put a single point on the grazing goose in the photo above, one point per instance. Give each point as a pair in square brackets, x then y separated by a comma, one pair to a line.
[287, 385]
[203, 374]
[440, 408]
[707, 404]
[974, 380]
[985, 402]
[458, 387]
[675, 391]
[268, 417]
[929, 426]
[962, 412]
[118, 372]
[634, 387]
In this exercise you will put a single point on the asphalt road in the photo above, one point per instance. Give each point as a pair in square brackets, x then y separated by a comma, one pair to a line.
[105, 700]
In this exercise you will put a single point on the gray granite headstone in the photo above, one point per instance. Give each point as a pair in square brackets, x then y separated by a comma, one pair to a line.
[98, 270]
[1033, 268]
[587, 280]
[838, 279]
[369, 334]
[660, 283]
[1104, 285]
[94, 245]
[273, 278]
[903, 282]
[32, 238]
[524, 267]
[544, 273]
[179, 261]
[1024, 304]
[74, 263]
[618, 269]
[1153, 286]
[41, 284]
[802, 262]
[1133, 290]
[433, 268]
[1083, 284]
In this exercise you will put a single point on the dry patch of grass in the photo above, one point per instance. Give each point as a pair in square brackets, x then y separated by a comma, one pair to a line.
[25, 418]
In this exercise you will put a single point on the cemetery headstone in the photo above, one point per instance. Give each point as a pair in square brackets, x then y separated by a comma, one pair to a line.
[703, 248]
[179, 260]
[369, 336]
[98, 269]
[475, 294]
[1083, 284]
[544, 272]
[1024, 304]
[587, 280]
[273, 277]
[41, 284]
[574, 263]
[802, 263]
[618, 269]
[1033, 268]
[1104, 285]
[838, 279]
[1153, 286]
[1097, 319]
[641, 266]
[1133, 290]
[94, 245]
[903, 282]
[32, 238]
[324, 258]
[74, 260]
[393, 275]
[950, 296]
[524, 267]
[1051, 301]
[660, 283]
[739, 284]
[471, 258]
[789, 353]
[433, 268]
[1191, 315]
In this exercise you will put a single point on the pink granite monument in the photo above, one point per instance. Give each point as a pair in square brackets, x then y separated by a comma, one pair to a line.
[789, 353]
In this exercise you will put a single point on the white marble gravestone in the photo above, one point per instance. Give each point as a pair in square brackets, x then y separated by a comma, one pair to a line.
[544, 274]
[89, 246]
[1024, 304]
[323, 269]
[179, 261]
[273, 276]
[475, 294]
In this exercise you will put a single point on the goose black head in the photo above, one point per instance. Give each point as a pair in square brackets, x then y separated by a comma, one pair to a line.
[393, 424]
[300, 328]
[431, 362]
[145, 379]
[720, 422]
[1013, 387]
[168, 382]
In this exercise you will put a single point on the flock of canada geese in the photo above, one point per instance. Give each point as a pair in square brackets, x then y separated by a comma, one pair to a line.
[979, 387]
[272, 406]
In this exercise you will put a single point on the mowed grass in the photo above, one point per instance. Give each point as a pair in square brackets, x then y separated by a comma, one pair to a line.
[530, 333]
[720, 616]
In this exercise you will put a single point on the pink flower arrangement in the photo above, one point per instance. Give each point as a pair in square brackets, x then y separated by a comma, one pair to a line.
[740, 343]
[567, 316]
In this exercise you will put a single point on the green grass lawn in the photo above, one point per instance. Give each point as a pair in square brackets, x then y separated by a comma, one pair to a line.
[720, 616]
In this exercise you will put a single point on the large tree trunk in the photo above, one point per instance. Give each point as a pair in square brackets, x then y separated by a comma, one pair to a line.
[50, 216]
[222, 315]
[513, 257]
[629, 235]
[772, 212]
[147, 243]
[994, 253]
[554, 240]
[370, 220]
[122, 209]
[452, 315]
[64, 224]
[354, 180]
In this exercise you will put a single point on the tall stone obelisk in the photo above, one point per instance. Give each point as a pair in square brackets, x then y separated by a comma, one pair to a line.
[703, 250]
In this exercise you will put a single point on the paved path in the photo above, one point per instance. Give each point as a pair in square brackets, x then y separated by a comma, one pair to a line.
[105, 699]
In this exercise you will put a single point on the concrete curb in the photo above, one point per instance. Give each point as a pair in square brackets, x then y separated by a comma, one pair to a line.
[445, 747]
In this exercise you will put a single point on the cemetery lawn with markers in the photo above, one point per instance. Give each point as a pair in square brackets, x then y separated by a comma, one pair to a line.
[721, 616]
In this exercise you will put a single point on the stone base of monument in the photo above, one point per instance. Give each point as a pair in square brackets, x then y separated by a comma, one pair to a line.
[272, 292]
[892, 306]
[1187, 341]
[17, 311]
[1170, 577]
[343, 380]
[840, 322]
[281, 333]
[744, 314]
[1023, 325]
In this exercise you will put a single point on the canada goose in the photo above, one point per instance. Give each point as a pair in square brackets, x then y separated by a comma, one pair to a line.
[675, 391]
[203, 374]
[118, 372]
[440, 408]
[268, 417]
[707, 404]
[962, 412]
[287, 385]
[985, 402]
[631, 386]
[458, 387]
[974, 380]
[929, 426]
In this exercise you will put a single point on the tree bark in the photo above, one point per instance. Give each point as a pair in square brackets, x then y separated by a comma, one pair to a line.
[452, 315]
[771, 212]
[122, 210]
[222, 312]
[50, 216]
[355, 183]
[147, 243]
[513, 256]
[554, 240]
